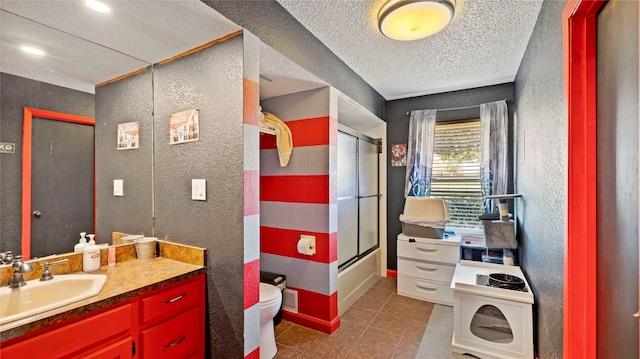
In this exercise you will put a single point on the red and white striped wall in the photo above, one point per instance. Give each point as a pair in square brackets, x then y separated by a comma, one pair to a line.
[301, 199]
[251, 145]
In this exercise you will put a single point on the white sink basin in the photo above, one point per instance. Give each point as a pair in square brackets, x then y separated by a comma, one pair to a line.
[37, 297]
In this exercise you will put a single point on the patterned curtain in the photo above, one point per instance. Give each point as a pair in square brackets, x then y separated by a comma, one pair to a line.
[493, 151]
[422, 126]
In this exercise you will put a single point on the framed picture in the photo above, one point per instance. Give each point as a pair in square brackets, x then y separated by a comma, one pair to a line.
[399, 155]
[128, 136]
[184, 127]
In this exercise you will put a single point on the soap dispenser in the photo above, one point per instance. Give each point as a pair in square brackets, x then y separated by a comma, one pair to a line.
[82, 243]
[91, 256]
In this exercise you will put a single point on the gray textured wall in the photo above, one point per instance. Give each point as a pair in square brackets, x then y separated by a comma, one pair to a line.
[211, 81]
[398, 132]
[269, 21]
[617, 180]
[541, 162]
[17, 93]
[127, 100]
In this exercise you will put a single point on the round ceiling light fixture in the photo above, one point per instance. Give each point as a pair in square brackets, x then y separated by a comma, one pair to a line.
[98, 6]
[32, 50]
[407, 20]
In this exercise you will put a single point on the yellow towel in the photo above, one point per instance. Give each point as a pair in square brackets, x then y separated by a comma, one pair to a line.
[284, 140]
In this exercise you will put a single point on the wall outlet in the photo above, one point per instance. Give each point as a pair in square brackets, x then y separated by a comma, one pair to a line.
[199, 189]
[118, 188]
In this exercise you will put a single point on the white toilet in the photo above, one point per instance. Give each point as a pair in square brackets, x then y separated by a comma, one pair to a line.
[270, 300]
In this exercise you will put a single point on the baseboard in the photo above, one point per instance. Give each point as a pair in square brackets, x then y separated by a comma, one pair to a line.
[312, 322]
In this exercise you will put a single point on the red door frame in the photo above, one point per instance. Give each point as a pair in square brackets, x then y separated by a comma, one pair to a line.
[27, 124]
[579, 35]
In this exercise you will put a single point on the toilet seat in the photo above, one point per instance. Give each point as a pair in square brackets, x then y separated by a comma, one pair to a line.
[269, 294]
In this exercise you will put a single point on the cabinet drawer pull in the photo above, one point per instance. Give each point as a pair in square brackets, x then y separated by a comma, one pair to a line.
[427, 249]
[175, 299]
[174, 343]
[426, 287]
[427, 268]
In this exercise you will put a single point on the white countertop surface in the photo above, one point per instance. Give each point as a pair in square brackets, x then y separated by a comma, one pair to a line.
[464, 280]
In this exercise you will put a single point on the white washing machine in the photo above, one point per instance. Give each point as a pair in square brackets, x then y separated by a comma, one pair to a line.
[491, 322]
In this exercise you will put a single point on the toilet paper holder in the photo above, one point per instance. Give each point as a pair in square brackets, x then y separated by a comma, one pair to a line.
[307, 245]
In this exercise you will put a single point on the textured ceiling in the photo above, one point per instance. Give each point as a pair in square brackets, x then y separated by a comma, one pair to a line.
[150, 31]
[85, 48]
[280, 76]
[483, 44]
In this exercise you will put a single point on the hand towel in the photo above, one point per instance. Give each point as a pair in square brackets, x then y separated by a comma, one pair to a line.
[284, 140]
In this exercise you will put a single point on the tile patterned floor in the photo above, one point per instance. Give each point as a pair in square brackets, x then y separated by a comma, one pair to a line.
[380, 325]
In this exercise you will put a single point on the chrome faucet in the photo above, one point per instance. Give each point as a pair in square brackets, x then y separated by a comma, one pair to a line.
[6, 257]
[46, 274]
[19, 267]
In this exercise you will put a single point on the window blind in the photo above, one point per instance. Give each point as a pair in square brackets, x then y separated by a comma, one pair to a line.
[456, 172]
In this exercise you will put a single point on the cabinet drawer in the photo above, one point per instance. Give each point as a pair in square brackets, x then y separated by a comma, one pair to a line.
[429, 252]
[170, 300]
[424, 270]
[425, 290]
[177, 337]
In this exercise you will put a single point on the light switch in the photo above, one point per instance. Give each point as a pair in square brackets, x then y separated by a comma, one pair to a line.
[199, 189]
[118, 188]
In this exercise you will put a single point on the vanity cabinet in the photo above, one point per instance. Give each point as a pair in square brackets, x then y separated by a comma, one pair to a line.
[166, 323]
[426, 267]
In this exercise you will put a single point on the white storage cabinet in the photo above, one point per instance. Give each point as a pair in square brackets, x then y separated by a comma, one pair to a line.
[426, 267]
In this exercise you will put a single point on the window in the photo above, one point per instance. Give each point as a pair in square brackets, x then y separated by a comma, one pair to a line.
[456, 171]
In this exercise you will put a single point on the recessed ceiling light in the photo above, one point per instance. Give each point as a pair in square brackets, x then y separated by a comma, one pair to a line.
[97, 5]
[32, 50]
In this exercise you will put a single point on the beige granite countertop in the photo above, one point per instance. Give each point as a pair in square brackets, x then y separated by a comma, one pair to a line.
[126, 280]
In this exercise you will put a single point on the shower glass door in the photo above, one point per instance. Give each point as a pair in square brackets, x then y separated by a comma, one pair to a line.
[368, 196]
[358, 196]
[347, 198]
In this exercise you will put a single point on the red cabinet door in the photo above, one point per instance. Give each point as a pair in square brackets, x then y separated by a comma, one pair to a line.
[77, 337]
[122, 349]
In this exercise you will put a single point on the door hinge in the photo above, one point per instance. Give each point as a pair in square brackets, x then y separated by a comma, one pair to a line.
[133, 348]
